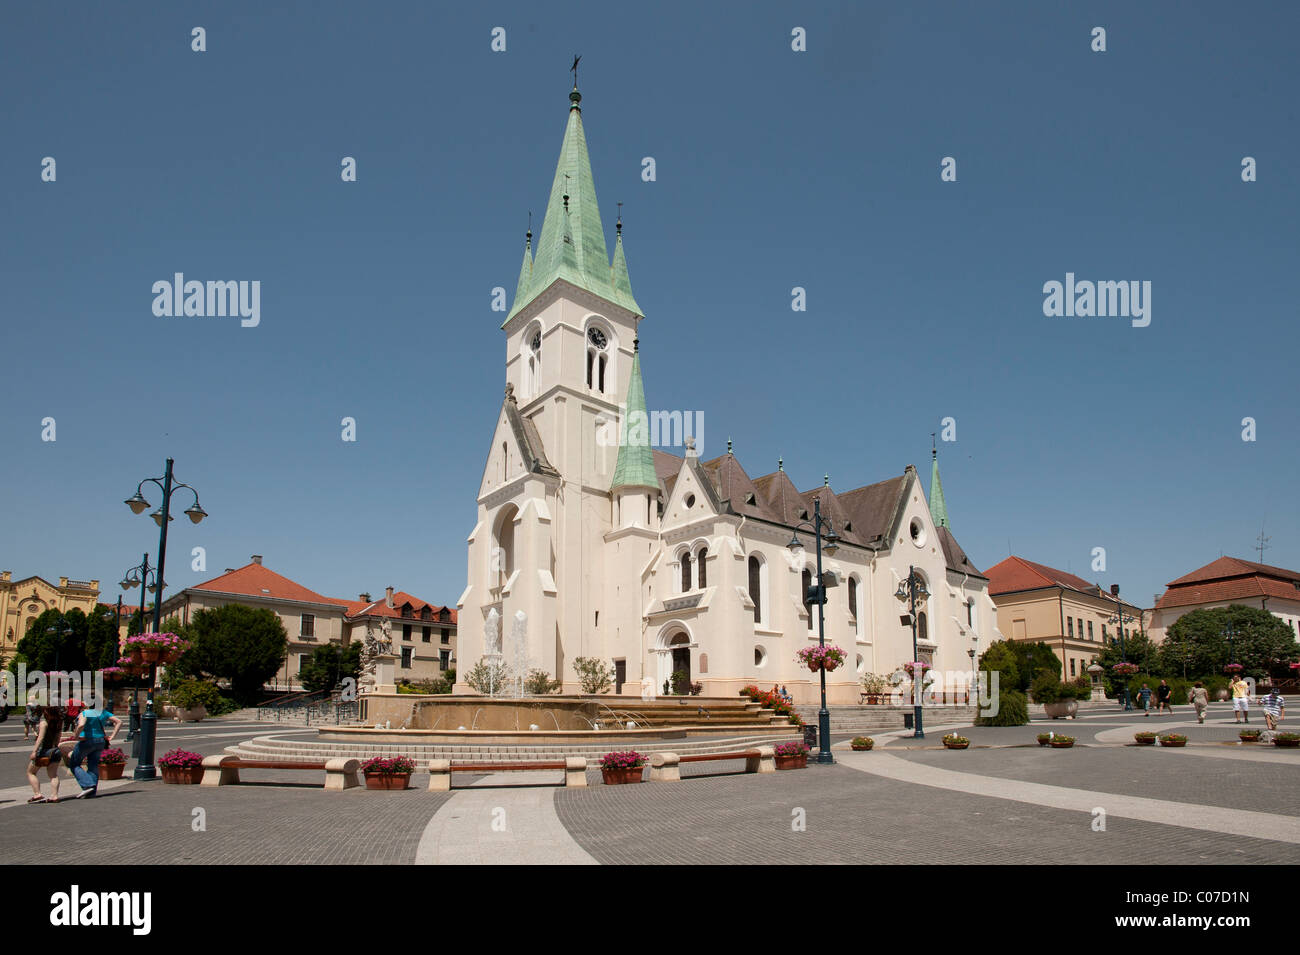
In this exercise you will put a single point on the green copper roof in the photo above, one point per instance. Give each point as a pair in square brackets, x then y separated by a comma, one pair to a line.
[525, 270]
[636, 462]
[622, 284]
[938, 508]
[572, 244]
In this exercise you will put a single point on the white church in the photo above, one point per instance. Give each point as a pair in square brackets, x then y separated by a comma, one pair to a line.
[656, 562]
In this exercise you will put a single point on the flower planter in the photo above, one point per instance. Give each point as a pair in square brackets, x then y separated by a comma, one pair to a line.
[862, 747]
[387, 780]
[620, 777]
[799, 761]
[1062, 743]
[150, 654]
[1173, 742]
[136, 653]
[111, 770]
[192, 715]
[1144, 740]
[1044, 741]
[182, 775]
[1062, 709]
[1249, 737]
[956, 745]
[169, 656]
[1286, 743]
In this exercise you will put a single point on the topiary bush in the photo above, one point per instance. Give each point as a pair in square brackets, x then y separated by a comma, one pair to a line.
[191, 693]
[1013, 710]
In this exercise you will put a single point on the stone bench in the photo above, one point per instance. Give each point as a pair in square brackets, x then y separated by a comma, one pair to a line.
[340, 774]
[440, 770]
[666, 767]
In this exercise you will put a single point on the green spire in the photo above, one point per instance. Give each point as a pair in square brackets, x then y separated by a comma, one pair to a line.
[622, 285]
[938, 508]
[636, 462]
[525, 270]
[572, 243]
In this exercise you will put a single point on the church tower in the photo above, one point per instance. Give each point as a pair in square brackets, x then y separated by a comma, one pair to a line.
[544, 504]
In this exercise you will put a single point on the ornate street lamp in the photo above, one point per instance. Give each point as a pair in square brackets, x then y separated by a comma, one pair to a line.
[1120, 618]
[912, 589]
[144, 768]
[817, 593]
[138, 576]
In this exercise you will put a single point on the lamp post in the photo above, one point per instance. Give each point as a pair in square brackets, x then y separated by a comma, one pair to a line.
[818, 592]
[138, 576]
[912, 589]
[1119, 619]
[974, 684]
[144, 768]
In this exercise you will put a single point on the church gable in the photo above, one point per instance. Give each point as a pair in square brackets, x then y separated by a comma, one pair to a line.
[692, 497]
[516, 449]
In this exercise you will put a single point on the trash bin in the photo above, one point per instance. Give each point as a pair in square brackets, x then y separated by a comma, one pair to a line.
[907, 721]
[810, 737]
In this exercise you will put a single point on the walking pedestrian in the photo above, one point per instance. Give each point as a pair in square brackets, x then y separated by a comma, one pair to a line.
[1163, 693]
[31, 717]
[1144, 695]
[46, 753]
[1240, 699]
[93, 736]
[1274, 708]
[1201, 700]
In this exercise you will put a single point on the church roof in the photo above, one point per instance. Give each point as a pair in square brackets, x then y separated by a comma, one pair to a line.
[572, 243]
[527, 439]
[938, 507]
[636, 465]
[954, 556]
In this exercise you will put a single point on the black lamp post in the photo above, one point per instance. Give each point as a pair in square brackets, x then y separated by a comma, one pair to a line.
[973, 682]
[138, 576]
[817, 593]
[144, 767]
[912, 589]
[1119, 619]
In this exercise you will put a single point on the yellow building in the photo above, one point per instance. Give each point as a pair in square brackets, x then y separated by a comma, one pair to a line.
[1072, 616]
[22, 601]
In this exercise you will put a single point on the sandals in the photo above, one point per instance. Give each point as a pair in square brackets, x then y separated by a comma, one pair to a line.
[37, 798]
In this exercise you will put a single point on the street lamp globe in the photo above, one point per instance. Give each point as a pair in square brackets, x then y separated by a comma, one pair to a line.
[136, 503]
[195, 513]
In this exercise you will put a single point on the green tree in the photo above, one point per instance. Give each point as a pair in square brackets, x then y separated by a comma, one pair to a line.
[1261, 642]
[1001, 658]
[1033, 660]
[595, 675]
[42, 649]
[329, 665]
[241, 644]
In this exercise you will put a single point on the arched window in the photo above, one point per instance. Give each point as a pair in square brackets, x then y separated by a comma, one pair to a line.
[704, 576]
[597, 358]
[533, 386]
[503, 554]
[807, 583]
[922, 627]
[686, 571]
[756, 587]
[853, 603]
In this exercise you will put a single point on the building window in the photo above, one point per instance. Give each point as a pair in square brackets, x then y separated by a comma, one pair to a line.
[444, 659]
[807, 585]
[406, 658]
[853, 602]
[756, 587]
[406, 631]
[1089, 629]
[1080, 628]
[446, 634]
[922, 626]
[686, 573]
[1071, 666]
[309, 625]
[704, 576]
[1069, 625]
[428, 633]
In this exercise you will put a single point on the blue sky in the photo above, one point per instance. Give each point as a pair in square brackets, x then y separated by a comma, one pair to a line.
[775, 169]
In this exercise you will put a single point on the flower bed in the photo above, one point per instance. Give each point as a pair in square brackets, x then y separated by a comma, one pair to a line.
[821, 658]
[1062, 742]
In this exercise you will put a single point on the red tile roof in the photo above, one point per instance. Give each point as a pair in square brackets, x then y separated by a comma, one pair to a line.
[1016, 574]
[254, 580]
[1228, 579]
[380, 608]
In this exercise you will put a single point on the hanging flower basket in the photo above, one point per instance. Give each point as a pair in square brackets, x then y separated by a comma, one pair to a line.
[136, 654]
[622, 768]
[113, 674]
[1233, 668]
[821, 658]
[791, 755]
[1125, 669]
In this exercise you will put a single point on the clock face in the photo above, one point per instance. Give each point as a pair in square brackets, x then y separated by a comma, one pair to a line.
[596, 337]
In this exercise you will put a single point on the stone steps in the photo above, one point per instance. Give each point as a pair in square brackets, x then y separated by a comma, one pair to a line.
[879, 718]
[311, 750]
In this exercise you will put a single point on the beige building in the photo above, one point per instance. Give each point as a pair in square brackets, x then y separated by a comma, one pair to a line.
[22, 601]
[654, 562]
[1073, 617]
[423, 634]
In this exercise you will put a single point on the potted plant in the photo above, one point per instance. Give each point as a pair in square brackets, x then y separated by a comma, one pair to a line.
[862, 743]
[1058, 699]
[874, 687]
[792, 755]
[1045, 739]
[388, 772]
[1173, 739]
[1060, 741]
[1286, 740]
[953, 741]
[181, 766]
[156, 647]
[112, 762]
[821, 658]
[619, 768]
[1249, 736]
[1145, 739]
[113, 674]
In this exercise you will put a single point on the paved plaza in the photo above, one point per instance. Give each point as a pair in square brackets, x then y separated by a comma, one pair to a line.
[1005, 800]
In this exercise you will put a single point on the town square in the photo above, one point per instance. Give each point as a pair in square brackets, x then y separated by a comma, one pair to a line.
[649, 439]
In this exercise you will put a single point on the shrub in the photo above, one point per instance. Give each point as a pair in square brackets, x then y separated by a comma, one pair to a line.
[1013, 710]
[539, 683]
[192, 693]
[595, 675]
[487, 677]
[681, 682]
[875, 684]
